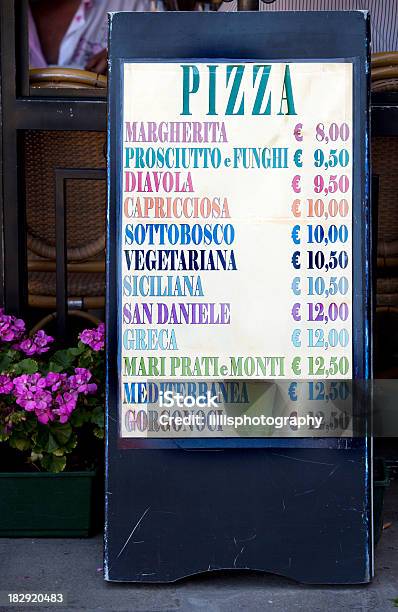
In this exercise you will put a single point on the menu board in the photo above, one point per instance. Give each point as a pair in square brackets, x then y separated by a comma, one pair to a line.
[238, 296]
[236, 231]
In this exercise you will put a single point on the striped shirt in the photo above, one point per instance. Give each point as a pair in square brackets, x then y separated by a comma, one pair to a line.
[384, 15]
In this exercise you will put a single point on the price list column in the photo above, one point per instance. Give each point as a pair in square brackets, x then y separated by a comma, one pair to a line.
[321, 239]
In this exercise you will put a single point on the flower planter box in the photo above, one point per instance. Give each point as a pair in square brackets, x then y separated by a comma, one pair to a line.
[43, 504]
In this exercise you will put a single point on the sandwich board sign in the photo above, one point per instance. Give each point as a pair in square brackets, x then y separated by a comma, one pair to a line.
[238, 296]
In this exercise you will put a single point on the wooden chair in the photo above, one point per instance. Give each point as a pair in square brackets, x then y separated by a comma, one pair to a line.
[45, 152]
[85, 217]
[384, 71]
[384, 79]
[65, 78]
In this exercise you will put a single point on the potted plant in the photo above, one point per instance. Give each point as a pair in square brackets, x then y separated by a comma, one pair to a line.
[51, 431]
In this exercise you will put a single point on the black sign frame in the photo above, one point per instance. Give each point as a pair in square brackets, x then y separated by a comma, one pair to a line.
[285, 36]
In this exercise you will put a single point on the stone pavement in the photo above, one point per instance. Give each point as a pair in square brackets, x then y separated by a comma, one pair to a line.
[73, 567]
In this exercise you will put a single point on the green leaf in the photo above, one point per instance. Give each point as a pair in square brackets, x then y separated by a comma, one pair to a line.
[65, 357]
[99, 433]
[78, 350]
[97, 416]
[40, 439]
[26, 366]
[19, 417]
[61, 432]
[52, 444]
[86, 360]
[51, 463]
[20, 443]
[55, 367]
[71, 444]
[80, 416]
[6, 360]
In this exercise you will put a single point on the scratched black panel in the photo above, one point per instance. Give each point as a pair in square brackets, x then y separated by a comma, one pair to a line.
[284, 508]
[297, 512]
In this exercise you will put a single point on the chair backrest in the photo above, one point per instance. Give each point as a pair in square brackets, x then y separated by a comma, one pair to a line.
[384, 71]
[70, 78]
[85, 199]
[384, 165]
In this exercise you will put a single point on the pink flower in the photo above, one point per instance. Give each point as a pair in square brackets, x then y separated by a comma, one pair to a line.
[66, 405]
[94, 338]
[29, 382]
[11, 328]
[45, 415]
[35, 345]
[6, 384]
[79, 382]
[30, 393]
[54, 380]
[51, 397]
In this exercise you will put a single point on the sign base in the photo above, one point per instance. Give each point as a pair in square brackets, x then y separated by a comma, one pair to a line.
[294, 512]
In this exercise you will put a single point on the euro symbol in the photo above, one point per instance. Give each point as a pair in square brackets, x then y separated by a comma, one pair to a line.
[292, 391]
[296, 363]
[295, 208]
[296, 183]
[296, 312]
[298, 132]
[295, 234]
[297, 158]
[296, 260]
[296, 338]
[295, 286]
